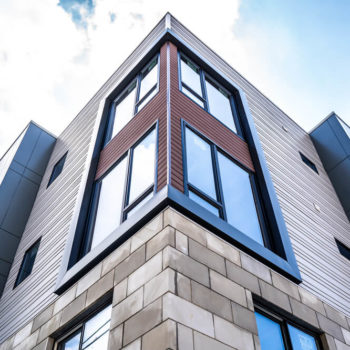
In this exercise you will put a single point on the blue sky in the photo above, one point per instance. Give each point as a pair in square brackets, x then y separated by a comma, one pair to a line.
[54, 55]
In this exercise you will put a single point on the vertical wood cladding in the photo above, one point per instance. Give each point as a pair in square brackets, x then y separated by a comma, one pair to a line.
[184, 108]
[155, 110]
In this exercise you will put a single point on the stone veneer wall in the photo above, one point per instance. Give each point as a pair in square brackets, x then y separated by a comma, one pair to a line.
[175, 285]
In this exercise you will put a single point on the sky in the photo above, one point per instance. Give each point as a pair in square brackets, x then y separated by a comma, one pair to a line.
[55, 54]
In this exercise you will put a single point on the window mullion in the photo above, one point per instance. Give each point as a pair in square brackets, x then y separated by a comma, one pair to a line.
[82, 336]
[285, 335]
[137, 94]
[204, 91]
[127, 184]
[218, 184]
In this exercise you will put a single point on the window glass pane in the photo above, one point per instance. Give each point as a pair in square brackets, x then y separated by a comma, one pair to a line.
[301, 340]
[138, 206]
[28, 263]
[199, 164]
[220, 106]
[110, 203]
[203, 203]
[238, 197]
[145, 101]
[190, 76]
[143, 166]
[72, 344]
[96, 328]
[270, 334]
[124, 110]
[149, 78]
[99, 344]
[193, 97]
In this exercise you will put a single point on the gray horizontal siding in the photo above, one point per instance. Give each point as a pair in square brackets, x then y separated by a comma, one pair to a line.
[54, 207]
[324, 271]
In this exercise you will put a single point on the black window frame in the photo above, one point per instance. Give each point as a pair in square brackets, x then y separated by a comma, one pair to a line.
[308, 162]
[80, 326]
[54, 174]
[126, 206]
[204, 98]
[343, 249]
[120, 97]
[283, 319]
[19, 279]
[219, 203]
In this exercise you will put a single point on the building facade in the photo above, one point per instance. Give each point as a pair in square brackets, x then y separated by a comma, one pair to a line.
[182, 209]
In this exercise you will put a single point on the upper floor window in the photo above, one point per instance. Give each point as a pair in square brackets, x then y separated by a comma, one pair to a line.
[219, 184]
[27, 263]
[57, 169]
[308, 162]
[343, 249]
[208, 93]
[123, 190]
[133, 98]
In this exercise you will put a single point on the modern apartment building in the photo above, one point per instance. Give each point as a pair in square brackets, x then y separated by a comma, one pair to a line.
[182, 209]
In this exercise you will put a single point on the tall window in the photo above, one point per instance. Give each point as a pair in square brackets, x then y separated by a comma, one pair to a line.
[276, 333]
[133, 98]
[123, 190]
[90, 335]
[57, 169]
[219, 184]
[208, 93]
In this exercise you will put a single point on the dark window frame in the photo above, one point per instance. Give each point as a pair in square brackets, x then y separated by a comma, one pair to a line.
[219, 203]
[203, 77]
[308, 162]
[19, 279]
[343, 249]
[123, 94]
[54, 175]
[283, 319]
[126, 206]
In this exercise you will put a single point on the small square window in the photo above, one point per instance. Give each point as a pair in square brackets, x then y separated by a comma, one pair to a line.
[343, 249]
[57, 169]
[27, 263]
[308, 162]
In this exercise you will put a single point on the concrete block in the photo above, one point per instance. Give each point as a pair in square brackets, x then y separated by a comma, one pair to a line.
[184, 337]
[128, 307]
[142, 322]
[244, 318]
[65, 299]
[346, 335]
[101, 287]
[275, 296]
[340, 345]
[29, 342]
[47, 344]
[161, 338]
[181, 242]
[285, 285]
[183, 287]
[242, 277]
[256, 268]
[250, 302]
[190, 315]
[159, 285]
[73, 309]
[330, 327]
[211, 301]
[115, 341]
[304, 312]
[232, 335]
[49, 327]
[202, 342]
[42, 318]
[185, 225]
[22, 334]
[311, 301]
[130, 264]
[119, 292]
[161, 240]
[135, 345]
[147, 232]
[328, 342]
[206, 257]
[257, 342]
[116, 257]
[145, 273]
[223, 248]
[228, 288]
[185, 265]
[89, 279]
[336, 316]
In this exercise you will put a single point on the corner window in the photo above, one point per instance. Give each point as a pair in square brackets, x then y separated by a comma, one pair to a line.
[27, 263]
[277, 333]
[91, 334]
[139, 92]
[123, 190]
[57, 169]
[222, 186]
[208, 93]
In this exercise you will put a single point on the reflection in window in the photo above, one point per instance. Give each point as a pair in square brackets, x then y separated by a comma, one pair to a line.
[122, 192]
[133, 98]
[274, 331]
[92, 335]
[190, 76]
[239, 200]
[203, 203]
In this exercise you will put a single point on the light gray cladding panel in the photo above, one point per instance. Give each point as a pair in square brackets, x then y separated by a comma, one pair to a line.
[54, 207]
[324, 271]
